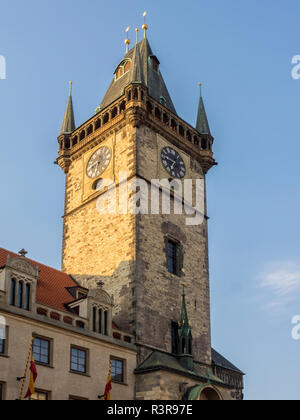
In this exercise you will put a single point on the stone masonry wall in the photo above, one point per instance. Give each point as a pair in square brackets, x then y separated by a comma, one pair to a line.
[98, 246]
[159, 293]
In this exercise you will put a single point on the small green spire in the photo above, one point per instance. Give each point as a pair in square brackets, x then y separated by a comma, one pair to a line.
[185, 330]
[68, 125]
[202, 124]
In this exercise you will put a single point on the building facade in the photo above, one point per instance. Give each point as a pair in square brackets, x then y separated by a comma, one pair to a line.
[126, 258]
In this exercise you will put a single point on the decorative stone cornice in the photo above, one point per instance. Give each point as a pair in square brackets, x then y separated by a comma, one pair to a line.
[135, 108]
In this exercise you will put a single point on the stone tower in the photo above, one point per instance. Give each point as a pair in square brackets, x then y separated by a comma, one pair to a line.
[140, 257]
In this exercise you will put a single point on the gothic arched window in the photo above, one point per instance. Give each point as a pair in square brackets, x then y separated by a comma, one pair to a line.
[27, 297]
[13, 292]
[20, 295]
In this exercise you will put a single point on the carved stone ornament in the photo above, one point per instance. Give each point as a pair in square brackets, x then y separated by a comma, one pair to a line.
[101, 296]
[23, 266]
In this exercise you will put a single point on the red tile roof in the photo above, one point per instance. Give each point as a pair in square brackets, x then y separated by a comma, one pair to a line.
[52, 284]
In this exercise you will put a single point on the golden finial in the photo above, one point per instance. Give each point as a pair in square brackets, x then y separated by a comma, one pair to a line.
[71, 84]
[145, 26]
[127, 40]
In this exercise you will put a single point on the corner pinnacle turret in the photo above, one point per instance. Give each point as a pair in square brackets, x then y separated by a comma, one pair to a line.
[68, 125]
[202, 124]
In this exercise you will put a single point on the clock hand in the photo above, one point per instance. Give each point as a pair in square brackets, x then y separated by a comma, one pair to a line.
[170, 160]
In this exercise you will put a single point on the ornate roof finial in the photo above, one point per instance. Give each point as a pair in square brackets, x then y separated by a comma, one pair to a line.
[71, 85]
[127, 40]
[23, 253]
[137, 35]
[145, 26]
[201, 84]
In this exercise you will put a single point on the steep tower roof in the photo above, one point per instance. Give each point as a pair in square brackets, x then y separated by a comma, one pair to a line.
[144, 70]
[68, 125]
[202, 124]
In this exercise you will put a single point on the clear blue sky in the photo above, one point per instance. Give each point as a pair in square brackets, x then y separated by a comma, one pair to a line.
[242, 51]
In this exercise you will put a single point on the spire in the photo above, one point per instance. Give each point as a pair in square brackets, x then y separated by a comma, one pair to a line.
[185, 338]
[202, 122]
[137, 67]
[68, 125]
[185, 331]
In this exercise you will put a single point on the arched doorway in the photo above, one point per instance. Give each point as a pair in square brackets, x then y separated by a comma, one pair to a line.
[203, 393]
[209, 394]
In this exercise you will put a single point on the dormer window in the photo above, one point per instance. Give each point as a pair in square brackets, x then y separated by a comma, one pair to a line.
[163, 101]
[20, 294]
[100, 320]
[154, 62]
[123, 68]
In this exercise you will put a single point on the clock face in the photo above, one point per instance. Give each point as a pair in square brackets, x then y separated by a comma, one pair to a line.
[173, 163]
[98, 162]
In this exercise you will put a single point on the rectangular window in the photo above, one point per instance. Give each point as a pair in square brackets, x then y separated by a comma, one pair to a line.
[27, 297]
[117, 370]
[4, 341]
[41, 351]
[12, 300]
[73, 398]
[100, 321]
[78, 360]
[2, 389]
[105, 322]
[172, 257]
[2, 346]
[20, 295]
[94, 319]
[40, 396]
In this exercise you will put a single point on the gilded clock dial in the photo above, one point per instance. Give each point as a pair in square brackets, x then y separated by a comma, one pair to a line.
[98, 162]
[173, 163]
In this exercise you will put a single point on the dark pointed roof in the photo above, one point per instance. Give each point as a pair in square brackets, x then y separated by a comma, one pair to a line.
[202, 124]
[220, 361]
[158, 360]
[141, 69]
[68, 125]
